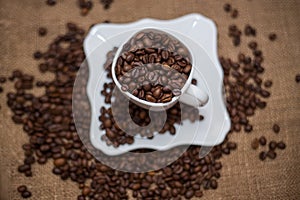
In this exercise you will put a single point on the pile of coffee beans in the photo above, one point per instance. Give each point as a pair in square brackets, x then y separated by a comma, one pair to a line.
[85, 5]
[153, 66]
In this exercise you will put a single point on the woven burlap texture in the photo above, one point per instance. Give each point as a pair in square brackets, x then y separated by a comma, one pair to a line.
[243, 175]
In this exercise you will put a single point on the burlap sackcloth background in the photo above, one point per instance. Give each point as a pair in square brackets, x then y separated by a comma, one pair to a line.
[243, 175]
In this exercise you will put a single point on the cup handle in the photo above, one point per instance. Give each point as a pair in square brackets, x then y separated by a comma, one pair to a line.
[194, 96]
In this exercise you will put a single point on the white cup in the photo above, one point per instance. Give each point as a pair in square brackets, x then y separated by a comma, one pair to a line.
[190, 94]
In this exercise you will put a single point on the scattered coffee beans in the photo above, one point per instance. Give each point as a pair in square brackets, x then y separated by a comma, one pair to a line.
[85, 5]
[48, 121]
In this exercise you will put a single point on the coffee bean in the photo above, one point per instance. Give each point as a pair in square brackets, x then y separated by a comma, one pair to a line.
[150, 98]
[234, 13]
[189, 194]
[271, 154]
[297, 78]
[51, 2]
[26, 194]
[268, 83]
[42, 31]
[37, 55]
[272, 36]
[262, 141]
[231, 145]
[227, 7]
[22, 188]
[248, 128]
[59, 162]
[2, 79]
[272, 145]
[255, 144]
[176, 92]
[24, 168]
[252, 45]
[262, 155]
[276, 128]
[281, 145]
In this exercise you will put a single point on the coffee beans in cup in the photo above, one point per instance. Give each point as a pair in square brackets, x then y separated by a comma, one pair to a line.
[153, 66]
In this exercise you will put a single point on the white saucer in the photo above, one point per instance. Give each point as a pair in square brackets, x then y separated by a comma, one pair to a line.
[200, 34]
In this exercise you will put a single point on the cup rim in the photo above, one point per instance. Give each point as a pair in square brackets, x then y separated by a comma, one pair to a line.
[141, 101]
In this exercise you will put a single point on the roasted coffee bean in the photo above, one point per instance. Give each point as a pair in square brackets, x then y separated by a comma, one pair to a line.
[231, 145]
[26, 194]
[234, 13]
[37, 55]
[297, 78]
[262, 141]
[276, 128]
[272, 36]
[2, 79]
[272, 145]
[59, 162]
[22, 188]
[42, 31]
[262, 155]
[249, 30]
[24, 168]
[281, 145]
[255, 144]
[248, 128]
[252, 45]
[227, 7]
[51, 2]
[271, 154]
[268, 83]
